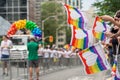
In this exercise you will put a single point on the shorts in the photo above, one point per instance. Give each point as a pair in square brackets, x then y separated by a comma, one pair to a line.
[33, 63]
[4, 57]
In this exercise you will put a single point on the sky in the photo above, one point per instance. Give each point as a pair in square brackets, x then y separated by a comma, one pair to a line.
[87, 3]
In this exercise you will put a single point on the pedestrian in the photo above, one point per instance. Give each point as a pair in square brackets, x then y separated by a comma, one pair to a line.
[33, 61]
[6, 44]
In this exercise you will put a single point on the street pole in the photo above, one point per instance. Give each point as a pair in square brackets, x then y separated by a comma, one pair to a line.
[43, 40]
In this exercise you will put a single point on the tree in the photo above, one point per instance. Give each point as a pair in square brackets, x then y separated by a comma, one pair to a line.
[52, 8]
[107, 7]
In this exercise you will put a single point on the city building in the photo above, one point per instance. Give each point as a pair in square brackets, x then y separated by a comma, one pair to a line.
[75, 3]
[13, 10]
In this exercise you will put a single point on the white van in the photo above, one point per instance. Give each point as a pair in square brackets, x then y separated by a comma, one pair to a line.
[19, 49]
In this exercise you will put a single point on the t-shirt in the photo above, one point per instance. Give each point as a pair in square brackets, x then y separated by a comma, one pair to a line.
[5, 50]
[40, 51]
[46, 53]
[33, 50]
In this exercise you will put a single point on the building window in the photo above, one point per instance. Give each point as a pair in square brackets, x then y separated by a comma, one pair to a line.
[23, 10]
[9, 9]
[2, 3]
[23, 15]
[73, 3]
[60, 40]
[77, 3]
[23, 2]
[3, 15]
[9, 17]
[9, 2]
[2, 10]
[16, 17]
[15, 2]
[69, 1]
[60, 34]
[15, 9]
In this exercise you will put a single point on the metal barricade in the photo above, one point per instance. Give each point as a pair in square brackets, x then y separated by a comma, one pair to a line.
[18, 66]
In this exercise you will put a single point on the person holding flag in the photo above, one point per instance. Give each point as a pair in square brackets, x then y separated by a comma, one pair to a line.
[115, 20]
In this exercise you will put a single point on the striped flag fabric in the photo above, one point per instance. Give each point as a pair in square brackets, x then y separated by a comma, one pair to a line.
[74, 16]
[99, 28]
[79, 38]
[93, 59]
[115, 72]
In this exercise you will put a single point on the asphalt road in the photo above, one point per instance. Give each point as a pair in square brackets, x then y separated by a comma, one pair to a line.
[74, 74]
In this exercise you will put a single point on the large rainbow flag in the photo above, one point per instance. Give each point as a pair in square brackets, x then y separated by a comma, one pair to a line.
[79, 38]
[76, 20]
[74, 16]
[93, 59]
[99, 28]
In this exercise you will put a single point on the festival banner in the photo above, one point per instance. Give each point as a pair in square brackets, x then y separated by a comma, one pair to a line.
[99, 29]
[93, 59]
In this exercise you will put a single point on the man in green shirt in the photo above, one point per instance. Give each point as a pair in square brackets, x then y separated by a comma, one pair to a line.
[32, 47]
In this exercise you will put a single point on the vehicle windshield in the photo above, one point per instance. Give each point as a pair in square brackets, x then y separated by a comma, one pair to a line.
[17, 41]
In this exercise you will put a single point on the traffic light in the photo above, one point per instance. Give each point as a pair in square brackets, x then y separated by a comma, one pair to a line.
[50, 38]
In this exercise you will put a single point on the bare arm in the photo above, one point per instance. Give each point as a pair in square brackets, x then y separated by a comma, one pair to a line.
[111, 19]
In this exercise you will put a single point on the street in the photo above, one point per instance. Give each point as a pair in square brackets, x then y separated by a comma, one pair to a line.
[76, 73]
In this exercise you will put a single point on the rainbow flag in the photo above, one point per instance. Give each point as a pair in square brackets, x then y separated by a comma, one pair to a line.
[67, 47]
[93, 59]
[117, 76]
[114, 66]
[99, 28]
[79, 38]
[74, 16]
[115, 73]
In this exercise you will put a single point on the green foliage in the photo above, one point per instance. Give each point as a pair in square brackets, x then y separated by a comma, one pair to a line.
[107, 7]
[0, 39]
[52, 8]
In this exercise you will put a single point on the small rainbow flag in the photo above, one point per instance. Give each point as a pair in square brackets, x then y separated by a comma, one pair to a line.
[115, 73]
[75, 17]
[93, 59]
[67, 46]
[117, 76]
[99, 28]
[79, 38]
